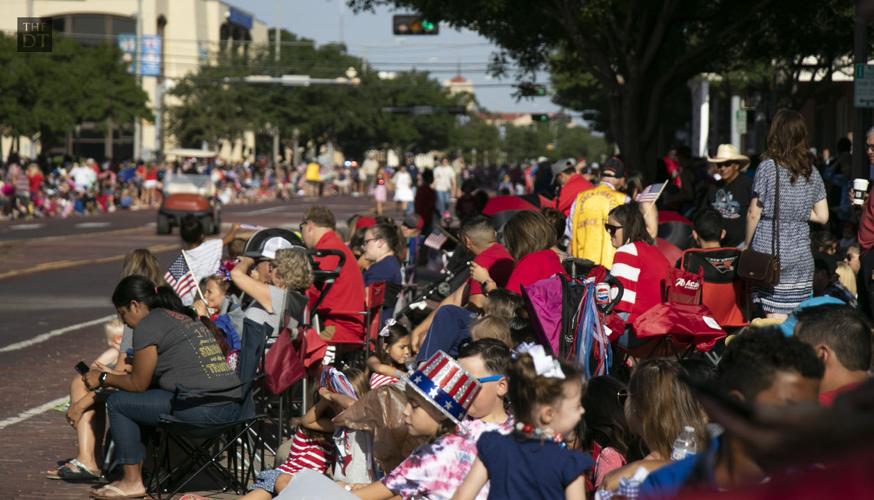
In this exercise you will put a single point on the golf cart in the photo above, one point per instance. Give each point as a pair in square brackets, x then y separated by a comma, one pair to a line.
[189, 195]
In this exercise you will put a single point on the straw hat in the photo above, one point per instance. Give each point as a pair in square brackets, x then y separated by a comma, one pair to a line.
[729, 153]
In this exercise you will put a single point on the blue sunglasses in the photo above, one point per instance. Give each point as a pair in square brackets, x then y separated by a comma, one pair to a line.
[490, 378]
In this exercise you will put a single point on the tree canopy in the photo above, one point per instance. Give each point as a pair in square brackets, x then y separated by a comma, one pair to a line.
[621, 60]
[48, 94]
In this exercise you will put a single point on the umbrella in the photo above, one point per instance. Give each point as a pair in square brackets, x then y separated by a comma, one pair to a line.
[503, 203]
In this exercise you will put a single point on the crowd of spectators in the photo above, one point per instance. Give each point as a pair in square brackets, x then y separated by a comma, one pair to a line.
[475, 400]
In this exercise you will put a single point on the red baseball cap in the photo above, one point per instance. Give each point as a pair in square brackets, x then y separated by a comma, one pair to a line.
[364, 222]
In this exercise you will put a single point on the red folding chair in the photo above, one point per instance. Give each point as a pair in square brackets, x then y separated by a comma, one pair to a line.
[374, 299]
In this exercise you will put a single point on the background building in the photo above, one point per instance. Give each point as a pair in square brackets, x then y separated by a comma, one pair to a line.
[178, 37]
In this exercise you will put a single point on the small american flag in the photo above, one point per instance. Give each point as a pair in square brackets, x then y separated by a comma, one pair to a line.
[180, 278]
[435, 240]
[651, 193]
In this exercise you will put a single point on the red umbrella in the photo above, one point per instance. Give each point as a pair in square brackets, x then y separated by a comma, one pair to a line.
[498, 204]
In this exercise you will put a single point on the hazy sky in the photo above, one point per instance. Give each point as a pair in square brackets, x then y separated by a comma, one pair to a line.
[369, 35]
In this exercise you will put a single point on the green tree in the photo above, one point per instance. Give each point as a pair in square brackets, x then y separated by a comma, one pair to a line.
[48, 94]
[631, 55]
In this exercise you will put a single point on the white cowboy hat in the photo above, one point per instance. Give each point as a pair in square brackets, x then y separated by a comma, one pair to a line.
[729, 153]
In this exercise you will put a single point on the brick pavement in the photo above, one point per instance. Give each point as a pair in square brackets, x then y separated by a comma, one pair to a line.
[41, 373]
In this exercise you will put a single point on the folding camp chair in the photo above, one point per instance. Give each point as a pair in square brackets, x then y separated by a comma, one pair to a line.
[204, 446]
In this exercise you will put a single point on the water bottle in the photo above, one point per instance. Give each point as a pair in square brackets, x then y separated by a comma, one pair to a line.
[685, 444]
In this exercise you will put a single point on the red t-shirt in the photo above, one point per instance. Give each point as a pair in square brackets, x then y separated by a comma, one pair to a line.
[498, 262]
[35, 181]
[641, 268]
[342, 305]
[532, 268]
[828, 398]
[576, 185]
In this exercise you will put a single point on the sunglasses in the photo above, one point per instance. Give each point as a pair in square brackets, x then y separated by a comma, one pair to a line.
[490, 378]
[869, 147]
[611, 229]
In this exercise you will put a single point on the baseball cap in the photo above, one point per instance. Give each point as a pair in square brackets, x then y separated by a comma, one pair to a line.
[364, 222]
[413, 221]
[613, 168]
[562, 165]
[265, 243]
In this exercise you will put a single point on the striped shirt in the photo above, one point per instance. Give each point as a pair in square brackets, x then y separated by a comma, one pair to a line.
[378, 380]
[308, 452]
[642, 270]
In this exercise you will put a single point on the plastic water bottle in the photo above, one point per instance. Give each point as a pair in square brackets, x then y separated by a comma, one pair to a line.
[685, 444]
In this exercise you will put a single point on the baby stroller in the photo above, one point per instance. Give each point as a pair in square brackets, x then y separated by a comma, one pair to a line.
[569, 314]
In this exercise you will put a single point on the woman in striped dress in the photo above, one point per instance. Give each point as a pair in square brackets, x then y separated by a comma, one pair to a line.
[802, 200]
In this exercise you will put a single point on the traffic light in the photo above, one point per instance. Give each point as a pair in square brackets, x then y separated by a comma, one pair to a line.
[539, 117]
[530, 89]
[414, 24]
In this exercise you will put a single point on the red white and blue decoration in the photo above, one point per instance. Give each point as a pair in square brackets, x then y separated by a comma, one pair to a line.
[442, 381]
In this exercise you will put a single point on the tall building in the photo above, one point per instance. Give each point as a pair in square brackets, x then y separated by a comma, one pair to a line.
[178, 37]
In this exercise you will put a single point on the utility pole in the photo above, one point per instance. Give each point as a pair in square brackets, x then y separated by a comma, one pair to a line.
[138, 63]
[276, 37]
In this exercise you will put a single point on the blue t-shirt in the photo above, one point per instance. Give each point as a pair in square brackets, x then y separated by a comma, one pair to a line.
[389, 271]
[528, 468]
[450, 327]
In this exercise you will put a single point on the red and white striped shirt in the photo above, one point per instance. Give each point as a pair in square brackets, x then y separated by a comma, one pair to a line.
[379, 380]
[308, 452]
[642, 269]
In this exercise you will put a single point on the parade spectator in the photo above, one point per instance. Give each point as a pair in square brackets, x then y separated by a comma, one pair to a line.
[606, 432]
[403, 185]
[532, 462]
[731, 194]
[87, 415]
[479, 237]
[530, 239]
[392, 354]
[435, 406]
[278, 270]
[802, 199]
[638, 264]
[570, 184]
[426, 201]
[760, 369]
[159, 321]
[658, 407]
[588, 214]
[382, 246]
[722, 292]
[841, 338]
[340, 310]
[492, 327]
[380, 189]
[444, 185]
[826, 282]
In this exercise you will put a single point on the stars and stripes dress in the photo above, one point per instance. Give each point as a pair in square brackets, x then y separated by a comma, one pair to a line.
[796, 260]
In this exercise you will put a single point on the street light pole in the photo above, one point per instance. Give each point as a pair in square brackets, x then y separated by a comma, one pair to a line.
[276, 33]
[138, 129]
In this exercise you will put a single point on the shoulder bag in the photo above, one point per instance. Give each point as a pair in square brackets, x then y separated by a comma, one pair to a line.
[759, 268]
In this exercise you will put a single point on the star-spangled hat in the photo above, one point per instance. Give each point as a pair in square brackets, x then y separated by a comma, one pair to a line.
[445, 384]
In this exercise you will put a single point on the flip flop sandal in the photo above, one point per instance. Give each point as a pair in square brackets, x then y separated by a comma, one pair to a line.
[66, 472]
[117, 491]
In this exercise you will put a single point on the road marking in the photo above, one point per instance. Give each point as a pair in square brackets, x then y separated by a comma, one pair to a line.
[26, 414]
[93, 225]
[262, 211]
[25, 227]
[63, 264]
[54, 333]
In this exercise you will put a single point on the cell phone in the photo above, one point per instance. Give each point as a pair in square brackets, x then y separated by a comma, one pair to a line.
[82, 368]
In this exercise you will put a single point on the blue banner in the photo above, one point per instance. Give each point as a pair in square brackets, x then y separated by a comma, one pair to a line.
[151, 56]
[127, 43]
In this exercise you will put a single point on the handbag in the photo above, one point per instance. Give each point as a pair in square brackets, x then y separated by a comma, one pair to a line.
[761, 268]
[283, 363]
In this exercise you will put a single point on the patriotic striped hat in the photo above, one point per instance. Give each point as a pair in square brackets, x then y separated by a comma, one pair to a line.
[445, 384]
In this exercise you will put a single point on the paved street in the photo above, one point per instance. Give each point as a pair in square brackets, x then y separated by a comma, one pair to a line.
[56, 278]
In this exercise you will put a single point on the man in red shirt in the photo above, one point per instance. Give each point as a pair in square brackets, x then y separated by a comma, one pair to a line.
[841, 337]
[340, 310]
[477, 235]
[570, 184]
